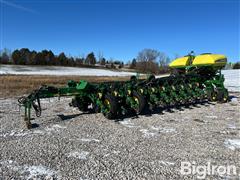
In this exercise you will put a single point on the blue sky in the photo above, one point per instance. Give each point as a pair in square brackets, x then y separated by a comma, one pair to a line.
[120, 29]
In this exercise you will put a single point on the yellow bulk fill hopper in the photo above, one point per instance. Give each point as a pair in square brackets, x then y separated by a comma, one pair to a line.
[180, 62]
[213, 60]
[210, 59]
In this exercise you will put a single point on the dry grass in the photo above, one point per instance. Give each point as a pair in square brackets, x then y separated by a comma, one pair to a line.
[16, 85]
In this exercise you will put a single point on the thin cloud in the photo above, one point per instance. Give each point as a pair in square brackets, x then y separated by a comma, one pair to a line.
[18, 6]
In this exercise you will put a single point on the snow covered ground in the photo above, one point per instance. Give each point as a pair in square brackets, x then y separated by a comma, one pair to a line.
[232, 77]
[59, 71]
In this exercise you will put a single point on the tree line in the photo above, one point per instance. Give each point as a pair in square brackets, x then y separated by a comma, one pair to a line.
[45, 57]
[147, 60]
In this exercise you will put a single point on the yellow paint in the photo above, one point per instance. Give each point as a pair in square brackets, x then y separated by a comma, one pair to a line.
[210, 59]
[115, 93]
[100, 95]
[106, 102]
[136, 99]
[200, 60]
[183, 61]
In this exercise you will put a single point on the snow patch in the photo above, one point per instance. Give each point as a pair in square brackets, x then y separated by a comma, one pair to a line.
[147, 133]
[15, 133]
[35, 171]
[31, 171]
[155, 128]
[167, 130]
[232, 126]
[83, 155]
[59, 71]
[153, 131]
[55, 127]
[232, 79]
[232, 144]
[38, 132]
[234, 101]
[166, 163]
[7, 163]
[163, 130]
[89, 140]
[128, 123]
[116, 152]
[21, 133]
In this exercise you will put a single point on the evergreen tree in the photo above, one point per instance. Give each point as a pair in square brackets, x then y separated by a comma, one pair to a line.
[91, 60]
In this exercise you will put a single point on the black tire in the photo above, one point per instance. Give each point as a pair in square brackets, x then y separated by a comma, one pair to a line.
[110, 107]
[83, 107]
[151, 78]
[222, 95]
[212, 96]
[202, 95]
[225, 96]
[96, 108]
[133, 78]
[141, 102]
[81, 104]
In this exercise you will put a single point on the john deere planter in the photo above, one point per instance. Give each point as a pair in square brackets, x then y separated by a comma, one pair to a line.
[193, 79]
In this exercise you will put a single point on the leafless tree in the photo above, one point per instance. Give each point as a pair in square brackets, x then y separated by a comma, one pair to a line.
[100, 57]
[162, 59]
[147, 60]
